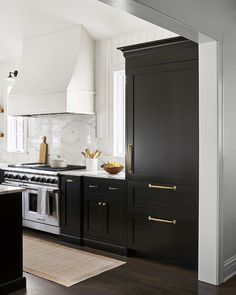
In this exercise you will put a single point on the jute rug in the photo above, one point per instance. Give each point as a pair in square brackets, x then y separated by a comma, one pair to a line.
[63, 265]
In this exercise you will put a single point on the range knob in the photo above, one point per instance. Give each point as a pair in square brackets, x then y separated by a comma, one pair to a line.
[49, 180]
[7, 175]
[24, 177]
[54, 181]
[11, 176]
[33, 178]
[43, 179]
[39, 179]
[17, 176]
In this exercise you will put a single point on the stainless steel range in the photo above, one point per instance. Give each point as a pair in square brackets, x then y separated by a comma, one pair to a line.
[41, 195]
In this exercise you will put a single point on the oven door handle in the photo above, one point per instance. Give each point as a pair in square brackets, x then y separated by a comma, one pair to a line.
[55, 199]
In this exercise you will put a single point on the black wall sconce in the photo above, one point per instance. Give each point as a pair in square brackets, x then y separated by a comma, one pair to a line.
[12, 75]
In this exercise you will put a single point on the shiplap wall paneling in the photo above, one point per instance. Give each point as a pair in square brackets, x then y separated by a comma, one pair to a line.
[109, 59]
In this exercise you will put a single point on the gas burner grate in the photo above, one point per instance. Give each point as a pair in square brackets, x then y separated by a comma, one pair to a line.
[37, 166]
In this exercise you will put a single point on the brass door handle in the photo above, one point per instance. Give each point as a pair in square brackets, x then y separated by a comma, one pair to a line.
[150, 218]
[70, 180]
[130, 158]
[92, 186]
[173, 187]
[113, 188]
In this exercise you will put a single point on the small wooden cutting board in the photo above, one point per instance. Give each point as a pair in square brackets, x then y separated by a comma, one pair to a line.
[43, 151]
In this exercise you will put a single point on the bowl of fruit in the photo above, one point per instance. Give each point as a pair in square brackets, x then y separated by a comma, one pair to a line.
[112, 167]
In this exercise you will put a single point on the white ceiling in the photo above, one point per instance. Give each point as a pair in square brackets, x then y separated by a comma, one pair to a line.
[20, 19]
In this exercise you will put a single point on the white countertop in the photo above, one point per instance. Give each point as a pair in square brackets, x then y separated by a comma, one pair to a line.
[7, 189]
[83, 172]
[98, 173]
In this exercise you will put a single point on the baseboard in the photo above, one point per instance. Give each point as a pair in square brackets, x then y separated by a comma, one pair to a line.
[13, 286]
[229, 268]
[70, 239]
[166, 258]
[105, 247]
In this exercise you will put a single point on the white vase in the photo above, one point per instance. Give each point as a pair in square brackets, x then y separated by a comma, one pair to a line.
[91, 164]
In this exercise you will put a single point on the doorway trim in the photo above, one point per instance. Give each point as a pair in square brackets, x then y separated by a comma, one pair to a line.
[210, 269]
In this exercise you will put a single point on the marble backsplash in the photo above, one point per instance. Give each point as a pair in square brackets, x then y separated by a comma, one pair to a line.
[67, 135]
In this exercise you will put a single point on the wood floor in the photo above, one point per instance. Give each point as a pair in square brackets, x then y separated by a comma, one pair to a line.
[137, 277]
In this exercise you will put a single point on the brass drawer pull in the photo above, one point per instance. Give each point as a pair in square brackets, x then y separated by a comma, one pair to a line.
[40, 219]
[113, 188]
[150, 218]
[92, 186]
[173, 187]
[70, 180]
[130, 158]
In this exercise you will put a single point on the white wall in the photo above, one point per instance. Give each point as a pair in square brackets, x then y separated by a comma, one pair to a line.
[109, 59]
[5, 68]
[208, 170]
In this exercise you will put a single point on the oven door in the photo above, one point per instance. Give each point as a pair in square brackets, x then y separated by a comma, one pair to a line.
[52, 207]
[34, 205]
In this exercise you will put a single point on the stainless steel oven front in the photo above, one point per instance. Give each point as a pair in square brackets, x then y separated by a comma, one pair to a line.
[41, 208]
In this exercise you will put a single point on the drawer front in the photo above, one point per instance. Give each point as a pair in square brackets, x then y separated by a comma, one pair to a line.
[103, 186]
[152, 196]
[165, 236]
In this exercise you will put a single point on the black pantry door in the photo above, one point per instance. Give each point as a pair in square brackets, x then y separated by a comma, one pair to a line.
[162, 122]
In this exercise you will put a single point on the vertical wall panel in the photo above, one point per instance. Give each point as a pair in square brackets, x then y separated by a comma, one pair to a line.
[108, 59]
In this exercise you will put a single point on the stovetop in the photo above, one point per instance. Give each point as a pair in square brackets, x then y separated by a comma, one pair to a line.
[45, 167]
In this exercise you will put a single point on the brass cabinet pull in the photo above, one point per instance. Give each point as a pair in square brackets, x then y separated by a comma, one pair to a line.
[150, 218]
[173, 187]
[92, 186]
[104, 204]
[40, 219]
[70, 180]
[99, 203]
[130, 158]
[113, 188]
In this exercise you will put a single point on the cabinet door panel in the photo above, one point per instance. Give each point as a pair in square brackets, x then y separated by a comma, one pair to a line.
[93, 217]
[71, 206]
[142, 197]
[162, 121]
[164, 240]
[114, 227]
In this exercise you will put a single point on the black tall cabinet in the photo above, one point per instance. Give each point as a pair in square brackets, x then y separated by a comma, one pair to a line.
[162, 148]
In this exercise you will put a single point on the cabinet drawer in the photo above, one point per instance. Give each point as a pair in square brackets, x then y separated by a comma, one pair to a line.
[143, 197]
[173, 239]
[103, 186]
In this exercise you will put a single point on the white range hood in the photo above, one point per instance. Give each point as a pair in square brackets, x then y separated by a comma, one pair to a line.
[56, 75]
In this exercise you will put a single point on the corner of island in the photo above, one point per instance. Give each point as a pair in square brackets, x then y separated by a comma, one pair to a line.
[11, 246]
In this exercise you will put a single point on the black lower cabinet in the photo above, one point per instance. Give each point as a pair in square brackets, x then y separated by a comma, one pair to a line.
[163, 222]
[155, 220]
[104, 219]
[104, 223]
[166, 237]
[11, 262]
[70, 208]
